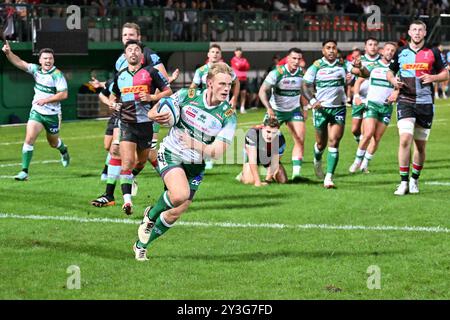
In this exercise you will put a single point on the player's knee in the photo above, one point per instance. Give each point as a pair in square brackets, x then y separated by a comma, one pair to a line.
[179, 197]
[53, 144]
[405, 127]
[421, 134]
[114, 151]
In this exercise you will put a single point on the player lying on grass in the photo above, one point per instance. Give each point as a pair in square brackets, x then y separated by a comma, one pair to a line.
[264, 145]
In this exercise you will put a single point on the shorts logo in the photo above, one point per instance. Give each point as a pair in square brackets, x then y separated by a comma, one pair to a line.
[339, 118]
[134, 89]
[53, 130]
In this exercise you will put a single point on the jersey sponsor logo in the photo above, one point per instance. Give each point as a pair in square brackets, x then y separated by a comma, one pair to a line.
[229, 112]
[190, 113]
[202, 118]
[192, 109]
[134, 89]
[415, 66]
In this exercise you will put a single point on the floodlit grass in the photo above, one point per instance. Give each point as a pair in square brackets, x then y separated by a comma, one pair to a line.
[219, 261]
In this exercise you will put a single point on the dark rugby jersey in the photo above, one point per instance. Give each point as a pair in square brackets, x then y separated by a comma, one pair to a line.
[411, 65]
[264, 150]
[127, 87]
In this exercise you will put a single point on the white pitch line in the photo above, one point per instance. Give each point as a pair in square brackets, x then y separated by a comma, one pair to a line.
[437, 229]
[34, 162]
[43, 140]
[437, 183]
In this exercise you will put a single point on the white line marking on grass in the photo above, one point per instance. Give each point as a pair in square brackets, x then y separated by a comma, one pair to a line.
[437, 229]
[437, 183]
[44, 140]
[34, 162]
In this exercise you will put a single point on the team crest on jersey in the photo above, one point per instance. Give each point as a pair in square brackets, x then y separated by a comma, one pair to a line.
[280, 70]
[317, 63]
[191, 93]
[229, 112]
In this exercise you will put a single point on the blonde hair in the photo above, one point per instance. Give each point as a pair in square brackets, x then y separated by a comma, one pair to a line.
[219, 67]
[132, 25]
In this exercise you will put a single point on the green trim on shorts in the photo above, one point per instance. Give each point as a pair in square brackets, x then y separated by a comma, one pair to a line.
[167, 161]
[295, 115]
[324, 116]
[156, 127]
[380, 112]
[358, 110]
[50, 122]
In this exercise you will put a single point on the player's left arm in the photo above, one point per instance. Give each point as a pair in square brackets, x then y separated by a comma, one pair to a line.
[216, 149]
[161, 84]
[440, 65]
[273, 168]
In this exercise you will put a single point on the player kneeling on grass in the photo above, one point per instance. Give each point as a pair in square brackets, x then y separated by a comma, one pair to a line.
[380, 96]
[205, 129]
[49, 90]
[264, 146]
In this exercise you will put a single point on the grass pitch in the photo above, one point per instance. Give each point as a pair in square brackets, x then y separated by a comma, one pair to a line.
[236, 241]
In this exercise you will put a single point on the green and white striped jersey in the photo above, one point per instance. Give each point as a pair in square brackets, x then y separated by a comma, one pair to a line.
[363, 89]
[203, 122]
[329, 79]
[46, 85]
[286, 88]
[379, 87]
[201, 74]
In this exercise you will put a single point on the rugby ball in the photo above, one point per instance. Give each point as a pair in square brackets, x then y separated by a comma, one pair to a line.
[168, 104]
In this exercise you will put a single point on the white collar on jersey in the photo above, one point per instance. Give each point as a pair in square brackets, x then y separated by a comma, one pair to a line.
[372, 59]
[207, 106]
[328, 63]
[287, 69]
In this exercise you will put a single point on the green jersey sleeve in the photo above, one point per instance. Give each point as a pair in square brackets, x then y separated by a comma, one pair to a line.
[310, 75]
[60, 81]
[272, 78]
[32, 68]
[227, 133]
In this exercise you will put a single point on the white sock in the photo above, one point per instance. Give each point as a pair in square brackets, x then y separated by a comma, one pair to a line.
[127, 198]
[328, 176]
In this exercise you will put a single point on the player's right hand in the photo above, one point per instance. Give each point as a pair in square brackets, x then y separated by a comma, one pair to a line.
[317, 105]
[6, 48]
[115, 106]
[260, 184]
[161, 118]
[398, 83]
[96, 83]
[270, 113]
[357, 101]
